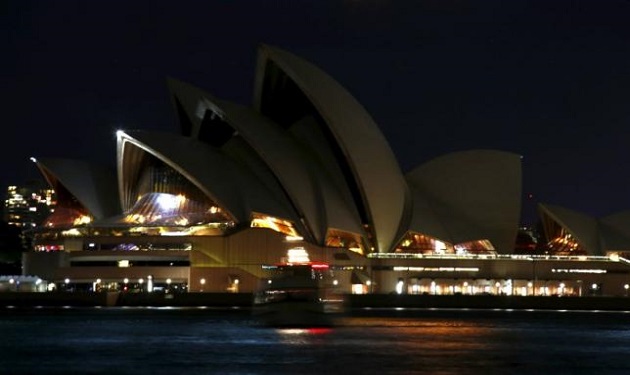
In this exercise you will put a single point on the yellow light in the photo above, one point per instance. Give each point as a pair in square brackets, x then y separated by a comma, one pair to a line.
[297, 255]
[70, 232]
[182, 222]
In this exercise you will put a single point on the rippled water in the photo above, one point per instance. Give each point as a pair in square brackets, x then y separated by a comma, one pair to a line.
[204, 341]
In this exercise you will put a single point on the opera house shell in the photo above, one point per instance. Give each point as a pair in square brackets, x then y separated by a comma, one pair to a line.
[574, 233]
[210, 208]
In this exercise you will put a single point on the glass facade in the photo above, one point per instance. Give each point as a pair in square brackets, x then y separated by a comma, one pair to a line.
[348, 240]
[418, 243]
[273, 223]
[165, 197]
[559, 240]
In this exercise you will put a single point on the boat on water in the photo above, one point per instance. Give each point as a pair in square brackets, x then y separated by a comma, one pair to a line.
[299, 294]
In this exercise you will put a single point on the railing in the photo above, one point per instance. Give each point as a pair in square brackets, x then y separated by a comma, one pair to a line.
[493, 256]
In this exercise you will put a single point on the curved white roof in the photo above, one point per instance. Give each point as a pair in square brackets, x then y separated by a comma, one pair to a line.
[92, 185]
[596, 236]
[307, 185]
[619, 222]
[371, 161]
[473, 194]
[312, 155]
[192, 105]
[582, 227]
[224, 182]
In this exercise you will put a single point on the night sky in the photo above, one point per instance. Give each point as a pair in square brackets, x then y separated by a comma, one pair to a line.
[549, 80]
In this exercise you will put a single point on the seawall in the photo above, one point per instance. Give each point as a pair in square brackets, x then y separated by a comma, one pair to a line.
[244, 300]
[489, 302]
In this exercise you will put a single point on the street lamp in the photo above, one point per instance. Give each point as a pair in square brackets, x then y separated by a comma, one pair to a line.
[626, 287]
[399, 286]
[95, 285]
[150, 283]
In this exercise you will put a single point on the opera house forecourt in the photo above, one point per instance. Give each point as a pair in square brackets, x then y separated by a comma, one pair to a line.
[218, 205]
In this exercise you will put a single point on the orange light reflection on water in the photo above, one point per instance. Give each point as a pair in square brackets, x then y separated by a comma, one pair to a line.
[429, 334]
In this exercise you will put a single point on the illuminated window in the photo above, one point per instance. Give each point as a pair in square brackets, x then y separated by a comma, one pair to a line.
[67, 217]
[348, 240]
[559, 240]
[279, 225]
[474, 247]
[163, 196]
[418, 243]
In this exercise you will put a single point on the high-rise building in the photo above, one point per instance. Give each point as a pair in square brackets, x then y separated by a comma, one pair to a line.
[29, 205]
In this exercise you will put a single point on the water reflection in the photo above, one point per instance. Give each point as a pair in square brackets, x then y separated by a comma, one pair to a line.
[204, 341]
[303, 336]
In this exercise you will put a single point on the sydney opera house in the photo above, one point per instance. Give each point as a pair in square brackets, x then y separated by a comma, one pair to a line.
[213, 207]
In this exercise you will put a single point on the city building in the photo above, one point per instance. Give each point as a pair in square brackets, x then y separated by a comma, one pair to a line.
[29, 205]
[212, 208]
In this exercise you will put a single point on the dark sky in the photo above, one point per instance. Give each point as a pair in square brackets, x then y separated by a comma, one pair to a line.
[549, 80]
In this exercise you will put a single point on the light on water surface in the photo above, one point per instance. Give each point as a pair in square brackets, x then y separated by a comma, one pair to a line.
[455, 341]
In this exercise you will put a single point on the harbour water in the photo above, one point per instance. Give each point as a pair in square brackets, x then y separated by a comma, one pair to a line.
[388, 341]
